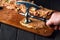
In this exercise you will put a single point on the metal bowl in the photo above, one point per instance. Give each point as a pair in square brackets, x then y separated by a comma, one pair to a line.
[28, 4]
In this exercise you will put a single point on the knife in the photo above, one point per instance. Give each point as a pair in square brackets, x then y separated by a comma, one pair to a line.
[39, 18]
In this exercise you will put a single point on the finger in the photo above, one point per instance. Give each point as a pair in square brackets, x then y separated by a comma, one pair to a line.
[56, 22]
[49, 22]
[56, 27]
[59, 27]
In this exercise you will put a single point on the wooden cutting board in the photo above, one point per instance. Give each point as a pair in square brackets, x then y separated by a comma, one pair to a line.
[11, 17]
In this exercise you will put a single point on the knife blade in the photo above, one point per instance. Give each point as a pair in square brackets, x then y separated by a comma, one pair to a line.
[39, 18]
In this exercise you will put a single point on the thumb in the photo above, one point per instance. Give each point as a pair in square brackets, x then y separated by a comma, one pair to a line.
[49, 22]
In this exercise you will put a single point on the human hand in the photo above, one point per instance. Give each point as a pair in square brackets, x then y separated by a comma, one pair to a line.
[54, 20]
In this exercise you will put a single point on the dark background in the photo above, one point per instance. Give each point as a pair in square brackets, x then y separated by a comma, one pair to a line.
[51, 4]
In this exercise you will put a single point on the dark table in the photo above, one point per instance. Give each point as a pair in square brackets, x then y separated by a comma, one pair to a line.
[8, 32]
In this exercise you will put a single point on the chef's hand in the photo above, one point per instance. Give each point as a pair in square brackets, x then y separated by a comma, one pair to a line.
[54, 20]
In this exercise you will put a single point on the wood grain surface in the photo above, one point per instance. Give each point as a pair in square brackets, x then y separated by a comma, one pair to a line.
[11, 17]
